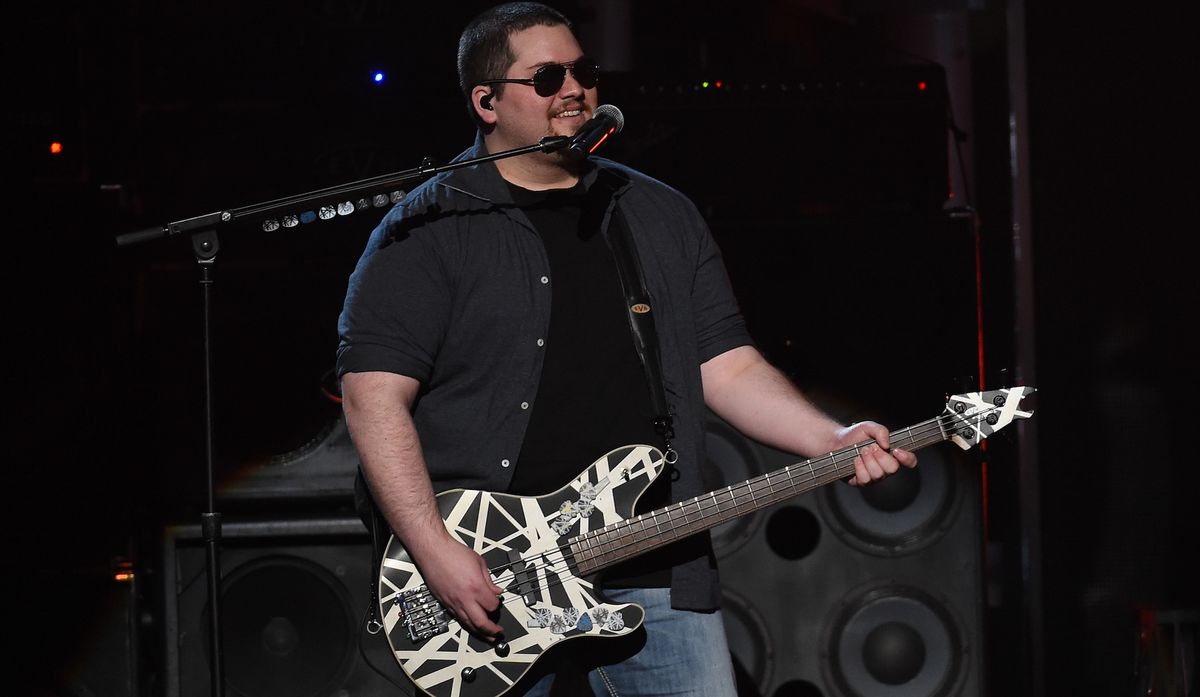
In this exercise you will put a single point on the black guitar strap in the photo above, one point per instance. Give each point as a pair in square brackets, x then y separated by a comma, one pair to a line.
[641, 324]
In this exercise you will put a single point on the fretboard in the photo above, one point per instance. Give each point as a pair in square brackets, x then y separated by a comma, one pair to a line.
[612, 544]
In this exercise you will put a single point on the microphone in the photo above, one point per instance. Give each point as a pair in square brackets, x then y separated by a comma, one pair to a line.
[606, 121]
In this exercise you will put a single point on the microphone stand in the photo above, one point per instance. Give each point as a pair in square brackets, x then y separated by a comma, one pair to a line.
[290, 211]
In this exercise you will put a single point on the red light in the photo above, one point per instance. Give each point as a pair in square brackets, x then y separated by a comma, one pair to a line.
[718, 83]
[921, 86]
[56, 148]
[601, 141]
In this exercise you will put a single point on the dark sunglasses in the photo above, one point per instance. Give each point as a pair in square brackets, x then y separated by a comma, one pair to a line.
[548, 79]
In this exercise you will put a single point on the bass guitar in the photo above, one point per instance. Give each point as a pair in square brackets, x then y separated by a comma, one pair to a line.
[546, 551]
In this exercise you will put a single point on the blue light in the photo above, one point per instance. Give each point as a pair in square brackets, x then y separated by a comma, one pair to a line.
[379, 77]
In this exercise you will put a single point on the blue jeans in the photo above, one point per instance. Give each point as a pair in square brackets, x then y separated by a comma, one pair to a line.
[677, 652]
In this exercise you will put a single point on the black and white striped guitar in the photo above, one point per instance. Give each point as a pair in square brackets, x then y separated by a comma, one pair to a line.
[546, 551]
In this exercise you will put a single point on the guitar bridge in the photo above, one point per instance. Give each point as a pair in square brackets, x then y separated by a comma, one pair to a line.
[424, 616]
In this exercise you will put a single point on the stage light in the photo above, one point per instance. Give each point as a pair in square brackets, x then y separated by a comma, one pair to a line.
[56, 148]
[378, 77]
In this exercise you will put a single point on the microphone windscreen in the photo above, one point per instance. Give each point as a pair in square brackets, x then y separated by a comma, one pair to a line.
[611, 112]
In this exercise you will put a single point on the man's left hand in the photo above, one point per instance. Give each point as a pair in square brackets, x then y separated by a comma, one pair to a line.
[876, 458]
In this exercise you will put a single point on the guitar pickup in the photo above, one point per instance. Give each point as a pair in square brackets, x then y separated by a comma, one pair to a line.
[524, 578]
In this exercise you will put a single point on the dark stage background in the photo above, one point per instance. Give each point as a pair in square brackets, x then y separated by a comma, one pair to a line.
[824, 171]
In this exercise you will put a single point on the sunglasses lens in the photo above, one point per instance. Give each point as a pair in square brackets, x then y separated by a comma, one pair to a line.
[587, 73]
[548, 79]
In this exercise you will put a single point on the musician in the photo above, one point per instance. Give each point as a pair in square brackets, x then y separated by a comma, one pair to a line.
[485, 344]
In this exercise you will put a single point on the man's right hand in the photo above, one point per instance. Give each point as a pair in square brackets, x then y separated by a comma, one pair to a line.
[460, 579]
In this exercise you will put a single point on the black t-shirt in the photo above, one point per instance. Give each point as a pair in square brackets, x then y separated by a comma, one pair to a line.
[593, 395]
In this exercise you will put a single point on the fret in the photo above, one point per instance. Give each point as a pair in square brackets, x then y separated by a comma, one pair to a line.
[598, 546]
[733, 502]
[748, 498]
[683, 513]
[700, 514]
[581, 548]
[608, 541]
[657, 528]
[634, 533]
[742, 506]
[744, 502]
[590, 553]
[649, 520]
[642, 541]
[651, 530]
[629, 532]
[666, 512]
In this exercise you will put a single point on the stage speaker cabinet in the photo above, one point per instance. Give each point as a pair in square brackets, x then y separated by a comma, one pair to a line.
[294, 594]
[854, 592]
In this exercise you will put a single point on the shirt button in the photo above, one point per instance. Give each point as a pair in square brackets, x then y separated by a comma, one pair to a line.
[545, 279]
[524, 405]
[504, 463]
[541, 342]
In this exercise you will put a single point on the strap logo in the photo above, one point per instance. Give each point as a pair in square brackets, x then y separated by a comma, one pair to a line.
[640, 308]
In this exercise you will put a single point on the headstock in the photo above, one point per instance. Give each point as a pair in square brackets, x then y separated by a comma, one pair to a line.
[973, 416]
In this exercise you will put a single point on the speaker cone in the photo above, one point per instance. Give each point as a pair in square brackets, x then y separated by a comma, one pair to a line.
[749, 641]
[892, 640]
[287, 628]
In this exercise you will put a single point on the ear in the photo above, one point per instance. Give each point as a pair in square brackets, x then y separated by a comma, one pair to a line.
[481, 99]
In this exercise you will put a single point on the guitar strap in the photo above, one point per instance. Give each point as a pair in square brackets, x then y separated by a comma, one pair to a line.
[641, 324]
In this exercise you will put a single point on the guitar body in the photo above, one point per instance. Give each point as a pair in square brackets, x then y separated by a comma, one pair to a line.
[524, 540]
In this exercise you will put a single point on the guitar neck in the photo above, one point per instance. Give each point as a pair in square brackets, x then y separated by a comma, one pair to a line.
[599, 549]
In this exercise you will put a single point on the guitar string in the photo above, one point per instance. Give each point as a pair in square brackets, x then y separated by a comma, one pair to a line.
[733, 497]
[703, 506]
[925, 429]
[706, 502]
[921, 430]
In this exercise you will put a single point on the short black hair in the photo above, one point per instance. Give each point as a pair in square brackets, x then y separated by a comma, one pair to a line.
[484, 52]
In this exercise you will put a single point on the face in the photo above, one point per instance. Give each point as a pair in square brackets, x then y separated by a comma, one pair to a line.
[521, 116]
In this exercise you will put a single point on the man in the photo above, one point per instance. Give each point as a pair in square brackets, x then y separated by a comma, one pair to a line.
[485, 345]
